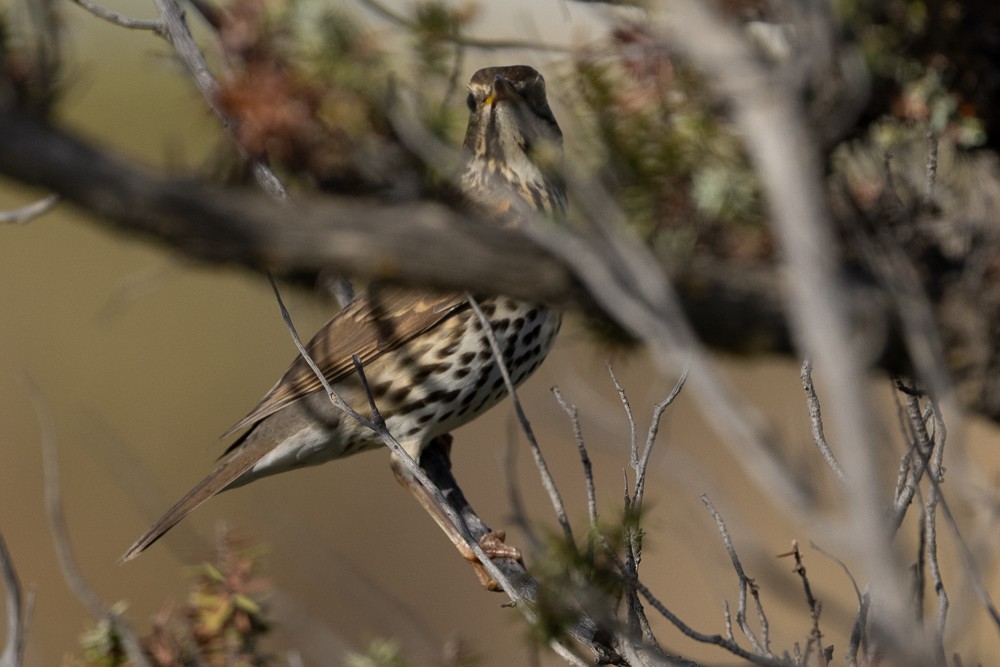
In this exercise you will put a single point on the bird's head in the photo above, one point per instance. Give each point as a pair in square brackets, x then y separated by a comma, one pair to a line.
[513, 136]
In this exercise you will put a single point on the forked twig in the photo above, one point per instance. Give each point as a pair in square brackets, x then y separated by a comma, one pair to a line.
[716, 640]
[60, 537]
[761, 645]
[121, 19]
[654, 428]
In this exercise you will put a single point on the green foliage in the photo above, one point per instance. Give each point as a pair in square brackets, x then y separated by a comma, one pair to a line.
[672, 162]
[308, 87]
[924, 55]
[102, 645]
[436, 27]
[574, 577]
[222, 622]
[380, 653]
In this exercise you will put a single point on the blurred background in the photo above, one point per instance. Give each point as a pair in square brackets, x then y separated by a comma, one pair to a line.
[142, 359]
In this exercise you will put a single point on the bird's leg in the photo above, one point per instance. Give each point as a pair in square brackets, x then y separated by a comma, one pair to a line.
[436, 462]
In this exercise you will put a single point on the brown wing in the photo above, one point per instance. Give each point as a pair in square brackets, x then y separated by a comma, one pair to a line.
[376, 322]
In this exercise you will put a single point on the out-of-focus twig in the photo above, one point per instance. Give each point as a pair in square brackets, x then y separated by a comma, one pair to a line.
[60, 536]
[18, 610]
[767, 108]
[19, 216]
[120, 19]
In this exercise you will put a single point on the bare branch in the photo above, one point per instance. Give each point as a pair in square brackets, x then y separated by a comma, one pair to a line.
[173, 27]
[121, 19]
[19, 216]
[843, 566]
[934, 569]
[334, 396]
[654, 427]
[633, 439]
[767, 108]
[588, 472]
[176, 31]
[816, 419]
[815, 608]
[762, 645]
[688, 631]
[17, 613]
[924, 450]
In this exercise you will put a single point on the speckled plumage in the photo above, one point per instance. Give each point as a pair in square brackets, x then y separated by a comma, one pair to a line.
[426, 357]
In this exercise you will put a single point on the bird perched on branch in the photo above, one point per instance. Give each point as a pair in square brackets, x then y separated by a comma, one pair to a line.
[426, 357]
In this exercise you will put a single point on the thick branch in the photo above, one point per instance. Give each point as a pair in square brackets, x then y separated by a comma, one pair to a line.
[360, 237]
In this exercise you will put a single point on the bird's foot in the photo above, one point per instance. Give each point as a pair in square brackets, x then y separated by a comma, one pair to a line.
[495, 547]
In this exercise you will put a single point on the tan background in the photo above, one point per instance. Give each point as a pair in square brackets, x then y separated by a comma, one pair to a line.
[144, 359]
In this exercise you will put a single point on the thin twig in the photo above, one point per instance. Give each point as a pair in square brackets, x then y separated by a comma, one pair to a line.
[934, 570]
[177, 32]
[17, 616]
[843, 566]
[636, 615]
[859, 633]
[761, 645]
[60, 536]
[815, 608]
[925, 450]
[547, 480]
[633, 534]
[687, 630]
[633, 430]
[588, 472]
[654, 427]
[934, 497]
[816, 419]
[921, 448]
[19, 216]
[120, 19]
[334, 396]
[767, 109]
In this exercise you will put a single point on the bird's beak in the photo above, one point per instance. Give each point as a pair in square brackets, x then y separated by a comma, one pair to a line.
[502, 90]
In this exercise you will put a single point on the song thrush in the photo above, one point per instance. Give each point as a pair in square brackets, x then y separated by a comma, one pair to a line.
[426, 357]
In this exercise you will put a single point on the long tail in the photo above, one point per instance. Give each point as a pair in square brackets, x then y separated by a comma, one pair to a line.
[241, 459]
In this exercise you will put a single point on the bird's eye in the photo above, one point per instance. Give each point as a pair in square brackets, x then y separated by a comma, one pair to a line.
[470, 101]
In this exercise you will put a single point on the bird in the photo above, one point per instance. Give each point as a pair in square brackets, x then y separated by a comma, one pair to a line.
[426, 357]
